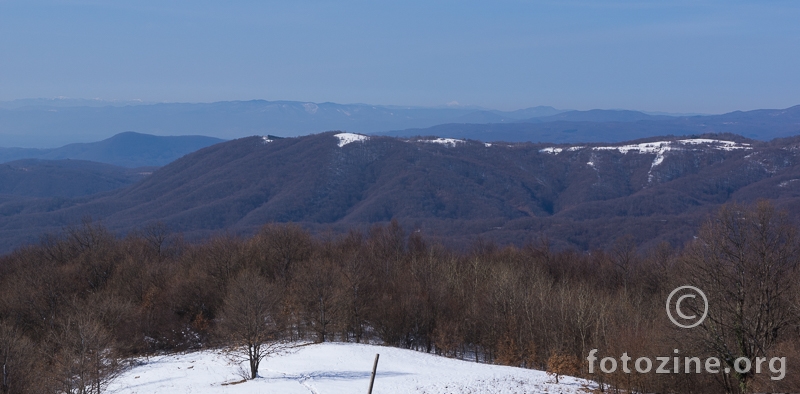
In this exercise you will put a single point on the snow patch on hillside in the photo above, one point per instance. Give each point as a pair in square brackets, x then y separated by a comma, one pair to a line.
[555, 151]
[346, 138]
[659, 148]
[662, 147]
[451, 142]
[716, 144]
[337, 368]
[311, 108]
[552, 151]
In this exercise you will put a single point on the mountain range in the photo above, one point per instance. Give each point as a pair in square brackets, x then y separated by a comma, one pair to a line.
[127, 149]
[584, 196]
[50, 123]
[616, 126]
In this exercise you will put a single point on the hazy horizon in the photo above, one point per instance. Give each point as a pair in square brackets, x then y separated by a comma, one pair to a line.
[706, 57]
[81, 101]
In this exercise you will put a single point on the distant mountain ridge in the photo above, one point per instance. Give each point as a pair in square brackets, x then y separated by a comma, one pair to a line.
[616, 126]
[583, 196]
[67, 102]
[48, 123]
[598, 115]
[127, 149]
[32, 123]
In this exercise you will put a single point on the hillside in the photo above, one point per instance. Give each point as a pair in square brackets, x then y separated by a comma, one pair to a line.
[582, 196]
[334, 368]
[64, 178]
[127, 149]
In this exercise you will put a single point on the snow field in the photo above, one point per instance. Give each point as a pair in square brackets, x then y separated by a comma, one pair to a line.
[347, 138]
[451, 142]
[337, 368]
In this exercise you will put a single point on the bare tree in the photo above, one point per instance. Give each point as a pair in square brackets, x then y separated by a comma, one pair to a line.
[745, 260]
[16, 361]
[250, 319]
[316, 290]
[277, 247]
[85, 362]
[358, 286]
[624, 258]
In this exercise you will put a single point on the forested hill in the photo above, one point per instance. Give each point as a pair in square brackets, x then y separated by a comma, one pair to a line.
[587, 196]
[126, 149]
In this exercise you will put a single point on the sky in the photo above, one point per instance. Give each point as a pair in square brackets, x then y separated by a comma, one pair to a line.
[672, 56]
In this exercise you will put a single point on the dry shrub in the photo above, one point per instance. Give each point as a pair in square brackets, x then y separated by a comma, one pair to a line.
[508, 352]
[562, 364]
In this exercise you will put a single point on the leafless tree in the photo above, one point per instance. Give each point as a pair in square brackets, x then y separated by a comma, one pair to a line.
[16, 361]
[277, 247]
[316, 291]
[358, 285]
[85, 361]
[745, 259]
[250, 319]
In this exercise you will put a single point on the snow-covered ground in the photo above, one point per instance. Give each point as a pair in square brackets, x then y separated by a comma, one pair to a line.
[347, 138]
[336, 368]
[658, 147]
[451, 142]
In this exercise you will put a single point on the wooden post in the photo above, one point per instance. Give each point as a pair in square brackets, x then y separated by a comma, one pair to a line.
[374, 369]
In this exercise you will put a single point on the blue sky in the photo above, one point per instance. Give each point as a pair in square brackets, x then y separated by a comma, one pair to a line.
[676, 56]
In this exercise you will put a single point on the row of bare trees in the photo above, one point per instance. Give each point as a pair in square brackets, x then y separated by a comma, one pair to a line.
[75, 307]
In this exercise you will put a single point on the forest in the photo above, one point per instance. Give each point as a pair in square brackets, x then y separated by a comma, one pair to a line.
[79, 307]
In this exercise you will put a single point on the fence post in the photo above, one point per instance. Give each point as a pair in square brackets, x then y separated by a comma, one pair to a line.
[374, 369]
